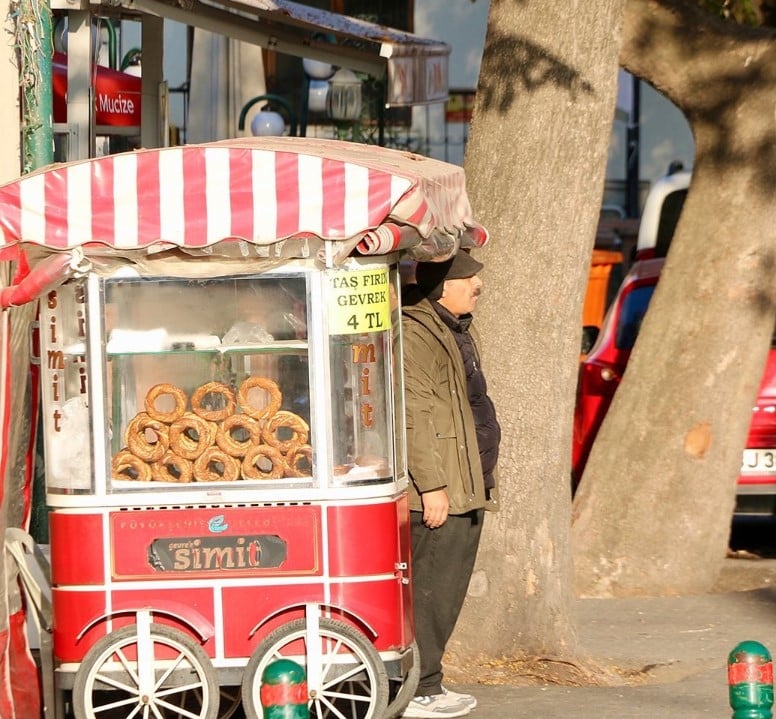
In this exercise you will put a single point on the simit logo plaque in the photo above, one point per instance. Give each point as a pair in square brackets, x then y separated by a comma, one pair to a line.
[205, 554]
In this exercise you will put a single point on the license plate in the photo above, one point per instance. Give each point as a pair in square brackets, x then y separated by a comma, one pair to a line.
[759, 461]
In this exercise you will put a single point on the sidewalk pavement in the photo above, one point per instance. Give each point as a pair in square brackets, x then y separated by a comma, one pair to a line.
[679, 646]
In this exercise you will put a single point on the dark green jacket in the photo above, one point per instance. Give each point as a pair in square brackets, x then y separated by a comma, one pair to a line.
[441, 436]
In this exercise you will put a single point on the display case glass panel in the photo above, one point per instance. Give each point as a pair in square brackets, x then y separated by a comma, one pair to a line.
[65, 388]
[223, 368]
[206, 381]
[362, 319]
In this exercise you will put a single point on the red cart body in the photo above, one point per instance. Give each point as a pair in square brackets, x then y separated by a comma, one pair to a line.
[222, 412]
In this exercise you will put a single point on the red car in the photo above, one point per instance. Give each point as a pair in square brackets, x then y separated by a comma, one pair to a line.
[602, 370]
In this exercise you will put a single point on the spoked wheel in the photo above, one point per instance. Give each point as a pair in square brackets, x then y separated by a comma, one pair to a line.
[164, 675]
[403, 689]
[353, 683]
[229, 703]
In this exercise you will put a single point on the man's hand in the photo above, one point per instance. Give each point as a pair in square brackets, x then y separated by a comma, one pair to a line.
[435, 508]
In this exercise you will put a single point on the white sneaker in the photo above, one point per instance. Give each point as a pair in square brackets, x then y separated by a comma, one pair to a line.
[438, 705]
[465, 699]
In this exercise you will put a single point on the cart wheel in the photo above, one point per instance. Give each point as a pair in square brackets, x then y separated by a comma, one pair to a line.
[229, 703]
[403, 688]
[110, 682]
[354, 684]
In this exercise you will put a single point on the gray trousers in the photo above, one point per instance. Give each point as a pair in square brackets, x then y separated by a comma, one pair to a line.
[442, 563]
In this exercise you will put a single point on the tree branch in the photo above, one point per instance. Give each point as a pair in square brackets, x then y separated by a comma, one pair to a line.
[686, 53]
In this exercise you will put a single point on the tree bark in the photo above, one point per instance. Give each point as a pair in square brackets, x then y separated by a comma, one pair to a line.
[535, 171]
[652, 515]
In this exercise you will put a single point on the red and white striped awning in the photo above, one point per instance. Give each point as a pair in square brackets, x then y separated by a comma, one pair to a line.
[259, 190]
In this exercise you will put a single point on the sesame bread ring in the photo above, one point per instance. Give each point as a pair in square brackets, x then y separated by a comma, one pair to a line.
[215, 465]
[299, 462]
[190, 436]
[172, 468]
[237, 434]
[136, 437]
[126, 465]
[159, 390]
[279, 425]
[210, 428]
[259, 457]
[212, 432]
[226, 402]
[275, 398]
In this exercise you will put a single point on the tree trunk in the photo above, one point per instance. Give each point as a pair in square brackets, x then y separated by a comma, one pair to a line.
[535, 172]
[652, 515]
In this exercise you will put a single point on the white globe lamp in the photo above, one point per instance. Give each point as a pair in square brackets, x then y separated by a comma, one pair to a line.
[317, 70]
[317, 93]
[267, 123]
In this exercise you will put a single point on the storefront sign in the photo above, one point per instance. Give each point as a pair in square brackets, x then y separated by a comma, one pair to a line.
[117, 95]
[460, 106]
[359, 302]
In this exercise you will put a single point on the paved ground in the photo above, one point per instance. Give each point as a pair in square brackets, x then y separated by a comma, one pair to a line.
[677, 647]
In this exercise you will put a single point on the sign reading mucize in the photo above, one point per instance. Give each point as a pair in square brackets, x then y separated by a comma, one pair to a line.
[359, 302]
[118, 95]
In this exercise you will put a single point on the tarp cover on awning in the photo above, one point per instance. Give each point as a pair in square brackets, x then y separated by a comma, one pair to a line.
[417, 67]
[261, 191]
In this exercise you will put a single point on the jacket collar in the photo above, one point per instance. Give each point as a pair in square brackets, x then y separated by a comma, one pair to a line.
[418, 307]
[456, 324]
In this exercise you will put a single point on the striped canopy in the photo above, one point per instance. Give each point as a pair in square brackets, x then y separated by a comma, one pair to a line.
[259, 190]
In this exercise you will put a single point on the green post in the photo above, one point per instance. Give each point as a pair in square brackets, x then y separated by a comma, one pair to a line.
[750, 680]
[36, 51]
[284, 691]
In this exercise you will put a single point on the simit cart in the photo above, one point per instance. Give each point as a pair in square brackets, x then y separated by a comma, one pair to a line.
[222, 419]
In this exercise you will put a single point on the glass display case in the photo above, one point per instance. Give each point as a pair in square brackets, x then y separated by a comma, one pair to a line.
[280, 380]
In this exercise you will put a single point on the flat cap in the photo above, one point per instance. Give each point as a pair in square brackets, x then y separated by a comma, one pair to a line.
[431, 276]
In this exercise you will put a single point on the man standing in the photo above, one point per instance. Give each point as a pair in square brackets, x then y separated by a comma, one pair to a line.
[452, 449]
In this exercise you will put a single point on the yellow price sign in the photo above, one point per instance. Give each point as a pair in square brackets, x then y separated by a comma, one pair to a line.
[359, 302]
